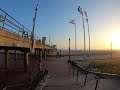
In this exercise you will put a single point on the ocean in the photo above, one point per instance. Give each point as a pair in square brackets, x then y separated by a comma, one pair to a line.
[94, 54]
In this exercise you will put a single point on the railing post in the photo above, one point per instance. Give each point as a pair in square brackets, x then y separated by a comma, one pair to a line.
[77, 76]
[96, 84]
[85, 78]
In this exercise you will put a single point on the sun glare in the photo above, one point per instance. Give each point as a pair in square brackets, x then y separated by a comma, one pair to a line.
[116, 41]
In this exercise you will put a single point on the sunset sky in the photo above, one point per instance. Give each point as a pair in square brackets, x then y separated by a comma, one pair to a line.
[54, 15]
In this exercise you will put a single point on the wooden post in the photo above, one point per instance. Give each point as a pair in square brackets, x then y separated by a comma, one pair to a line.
[6, 58]
[41, 56]
[40, 60]
[35, 53]
[15, 55]
[45, 53]
[25, 61]
[48, 52]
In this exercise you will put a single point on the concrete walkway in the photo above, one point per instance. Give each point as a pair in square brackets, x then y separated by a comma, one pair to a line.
[60, 78]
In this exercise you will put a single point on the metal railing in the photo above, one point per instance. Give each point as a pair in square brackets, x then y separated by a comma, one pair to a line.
[8, 23]
[31, 84]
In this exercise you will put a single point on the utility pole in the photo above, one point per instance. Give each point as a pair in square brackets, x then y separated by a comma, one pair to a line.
[34, 19]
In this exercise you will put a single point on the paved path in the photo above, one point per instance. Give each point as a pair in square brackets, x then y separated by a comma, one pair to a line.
[61, 79]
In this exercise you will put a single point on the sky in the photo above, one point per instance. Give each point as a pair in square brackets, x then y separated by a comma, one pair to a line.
[53, 18]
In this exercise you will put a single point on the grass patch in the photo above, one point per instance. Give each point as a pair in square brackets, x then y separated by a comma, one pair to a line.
[106, 66]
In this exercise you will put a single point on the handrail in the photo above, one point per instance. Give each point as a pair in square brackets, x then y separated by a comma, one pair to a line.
[8, 20]
[33, 76]
[13, 86]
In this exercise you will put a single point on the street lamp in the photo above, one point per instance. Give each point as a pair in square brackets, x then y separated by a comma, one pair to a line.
[111, 50]
[69, 52]
[34, 19]
[81, 12]
[74, 23]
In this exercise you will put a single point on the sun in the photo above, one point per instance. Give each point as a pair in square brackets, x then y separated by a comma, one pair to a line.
[116, 41]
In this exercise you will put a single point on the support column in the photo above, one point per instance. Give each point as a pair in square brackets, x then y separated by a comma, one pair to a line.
[41, 55]
[45, 53]
[26, 62]
[6, 58]
[35, 53]
[40, 60]
[15, 58]
[48, 51]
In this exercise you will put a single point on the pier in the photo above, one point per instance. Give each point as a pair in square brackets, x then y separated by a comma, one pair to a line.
[20, 57]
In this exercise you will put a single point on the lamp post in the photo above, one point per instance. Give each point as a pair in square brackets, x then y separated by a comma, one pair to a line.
[74, 22]
[111, 50]
[81, 12]
[69, 51]
[34, 19]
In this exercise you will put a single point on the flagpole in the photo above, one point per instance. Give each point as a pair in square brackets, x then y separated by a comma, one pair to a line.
[81, 12]
[32, 36]
[85, 12]
[49, 40]
[84, 37]
[75, 37]
[74, 22]
[88, 36]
